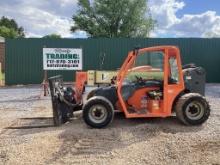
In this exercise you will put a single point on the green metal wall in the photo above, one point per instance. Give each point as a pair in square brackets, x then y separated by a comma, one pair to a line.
[24, 56]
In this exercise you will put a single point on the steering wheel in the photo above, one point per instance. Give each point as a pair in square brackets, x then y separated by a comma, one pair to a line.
[139, 79]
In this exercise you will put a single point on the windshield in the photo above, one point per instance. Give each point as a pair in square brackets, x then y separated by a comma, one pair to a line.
[147, 66]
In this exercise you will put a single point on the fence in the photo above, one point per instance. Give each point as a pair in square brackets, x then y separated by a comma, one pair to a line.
[24, 63]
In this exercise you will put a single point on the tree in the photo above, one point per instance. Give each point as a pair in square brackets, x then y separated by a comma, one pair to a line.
[52, 36]
[7, 32]
[10, 29]
[113, 18]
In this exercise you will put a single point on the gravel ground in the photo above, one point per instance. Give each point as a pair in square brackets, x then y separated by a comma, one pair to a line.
[27, 135]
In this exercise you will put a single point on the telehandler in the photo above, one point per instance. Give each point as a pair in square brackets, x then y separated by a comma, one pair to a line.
[150, 83]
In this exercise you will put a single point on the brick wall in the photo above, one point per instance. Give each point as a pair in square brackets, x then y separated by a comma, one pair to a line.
[2, 55]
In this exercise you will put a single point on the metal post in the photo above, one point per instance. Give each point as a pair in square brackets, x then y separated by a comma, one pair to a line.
[45, 83]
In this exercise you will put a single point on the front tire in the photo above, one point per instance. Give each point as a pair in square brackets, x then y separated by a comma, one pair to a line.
[98, 112]
[192, 109]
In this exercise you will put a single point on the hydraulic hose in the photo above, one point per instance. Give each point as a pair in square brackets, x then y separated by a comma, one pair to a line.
[61, 97]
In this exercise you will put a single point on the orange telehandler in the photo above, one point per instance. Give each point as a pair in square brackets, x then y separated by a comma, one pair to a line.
[150, 83]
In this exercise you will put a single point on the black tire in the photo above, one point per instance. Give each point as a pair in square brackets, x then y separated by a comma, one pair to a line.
[98, 103]
[192, 109]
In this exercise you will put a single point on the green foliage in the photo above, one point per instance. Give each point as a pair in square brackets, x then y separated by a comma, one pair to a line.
[10, 29]
[113, 18]
[7, 32]
[52, 36]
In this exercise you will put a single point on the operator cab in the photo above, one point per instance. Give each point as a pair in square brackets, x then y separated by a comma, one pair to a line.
[147, 66]
[143, 86]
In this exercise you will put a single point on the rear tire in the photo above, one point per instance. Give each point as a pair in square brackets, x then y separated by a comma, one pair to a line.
[192, 109]
[98, 112]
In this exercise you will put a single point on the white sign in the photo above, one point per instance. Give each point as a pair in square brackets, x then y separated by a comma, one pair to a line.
[62, 59]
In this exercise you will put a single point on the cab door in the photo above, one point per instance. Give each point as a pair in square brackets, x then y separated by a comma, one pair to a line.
[173, 78]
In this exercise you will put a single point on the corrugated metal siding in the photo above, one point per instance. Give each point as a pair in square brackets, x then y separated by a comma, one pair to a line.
[24, 56]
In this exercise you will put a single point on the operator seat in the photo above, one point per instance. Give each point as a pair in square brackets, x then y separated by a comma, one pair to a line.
[128, 89]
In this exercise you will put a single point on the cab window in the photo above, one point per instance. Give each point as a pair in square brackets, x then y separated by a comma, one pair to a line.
[147, 66]
[174, 74]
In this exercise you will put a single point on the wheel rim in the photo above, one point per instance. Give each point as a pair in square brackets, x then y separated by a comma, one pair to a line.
[195, 110]
[97, 113]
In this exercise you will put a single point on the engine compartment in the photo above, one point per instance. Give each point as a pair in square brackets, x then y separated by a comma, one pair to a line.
[194, 79]
[151, 89]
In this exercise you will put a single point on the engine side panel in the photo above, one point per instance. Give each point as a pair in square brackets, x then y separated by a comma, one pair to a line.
[108, 92]
[195, 79]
